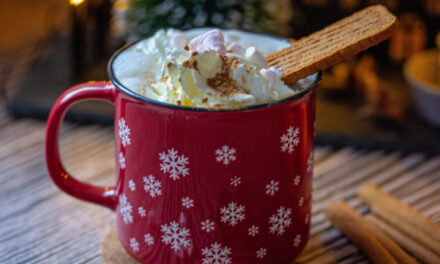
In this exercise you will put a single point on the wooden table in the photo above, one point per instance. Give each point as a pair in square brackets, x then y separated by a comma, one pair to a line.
[41, 224]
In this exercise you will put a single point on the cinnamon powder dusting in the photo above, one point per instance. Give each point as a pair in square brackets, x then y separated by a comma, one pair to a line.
[191, 63]
[222, 81]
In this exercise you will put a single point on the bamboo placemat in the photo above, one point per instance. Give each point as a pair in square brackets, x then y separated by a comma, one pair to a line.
[40, 224]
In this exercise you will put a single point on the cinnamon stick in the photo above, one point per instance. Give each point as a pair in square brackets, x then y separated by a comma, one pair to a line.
[397, 252]
[349, 221]
[406, 227]
[408, 243]
[372, 195]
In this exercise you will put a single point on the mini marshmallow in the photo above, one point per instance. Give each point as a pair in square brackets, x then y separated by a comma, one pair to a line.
[211, 40]
[269, 75]
[179, 40]
[278, 71]
[254, 56]
[234, 47]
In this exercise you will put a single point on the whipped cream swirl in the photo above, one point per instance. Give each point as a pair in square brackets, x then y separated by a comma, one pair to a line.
[202, 68]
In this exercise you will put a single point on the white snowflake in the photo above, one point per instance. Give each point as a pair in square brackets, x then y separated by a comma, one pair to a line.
[235, 181]
[134, 244]
[121, 160]
[216, 254]
[272, 187]
[208, 225]
[253, 230]
[297, 241]
[310, 163]
[290, 139]
[187, 202]
[232, 214]
[132, 185]
[261, 253]
[306, 219]
[149, 239]
[174, 164]
[280, 220]
[141, 211]
[175, 235]
[301, 201]
[297, 180]
[225, 155]
[124, 132]
[152, 186]
[125, 209]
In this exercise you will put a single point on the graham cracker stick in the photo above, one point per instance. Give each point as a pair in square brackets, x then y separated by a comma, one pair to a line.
[412, 246]
[349, 222]
[397, 252]
[372, 195]
[406, 227]
[334, 43]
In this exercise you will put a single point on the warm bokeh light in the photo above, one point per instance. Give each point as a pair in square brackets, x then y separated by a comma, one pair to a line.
[76, 2]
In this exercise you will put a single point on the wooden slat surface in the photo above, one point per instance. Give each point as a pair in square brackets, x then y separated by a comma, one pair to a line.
[40, 224]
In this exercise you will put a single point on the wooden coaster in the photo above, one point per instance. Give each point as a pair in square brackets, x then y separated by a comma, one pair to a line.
[113, 252]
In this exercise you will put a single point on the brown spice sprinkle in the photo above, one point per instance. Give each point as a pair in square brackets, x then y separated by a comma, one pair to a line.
[164, 79]
[222, 81]
[243, 80]
[191, 63]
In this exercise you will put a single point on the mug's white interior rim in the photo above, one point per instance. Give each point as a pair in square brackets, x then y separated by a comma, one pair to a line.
[307, 85]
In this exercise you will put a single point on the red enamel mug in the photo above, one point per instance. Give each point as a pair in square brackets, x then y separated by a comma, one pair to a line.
[201, 186]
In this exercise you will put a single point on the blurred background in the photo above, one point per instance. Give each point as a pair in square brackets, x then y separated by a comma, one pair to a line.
[387, 97]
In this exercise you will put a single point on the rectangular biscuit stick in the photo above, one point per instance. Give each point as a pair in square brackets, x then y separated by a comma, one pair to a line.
[373, 196]
[334, 43]
[349, 221]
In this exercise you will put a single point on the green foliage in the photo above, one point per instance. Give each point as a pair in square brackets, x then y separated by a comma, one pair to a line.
[144, 17]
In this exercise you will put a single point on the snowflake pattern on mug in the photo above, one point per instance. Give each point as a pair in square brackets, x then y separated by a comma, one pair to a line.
[235, 181]
[207, 225]
[131, 185]
[301, 201]
[261, 253]
[175, 236]
[149, 239]
[232, 214]
[174, 164]
[125, 209]
[309, 164]
[152, 186]
[216, 254]
[141, 211]
[124, 132]
[253, 230]
[280, 221]
[134, 244]
[187, 202]
[290, 140]
[225, 155]
[121, 160]
[272, 187]
[297, 241]
[297, 180]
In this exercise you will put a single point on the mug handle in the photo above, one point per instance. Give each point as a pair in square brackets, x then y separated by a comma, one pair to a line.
[105, 196]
